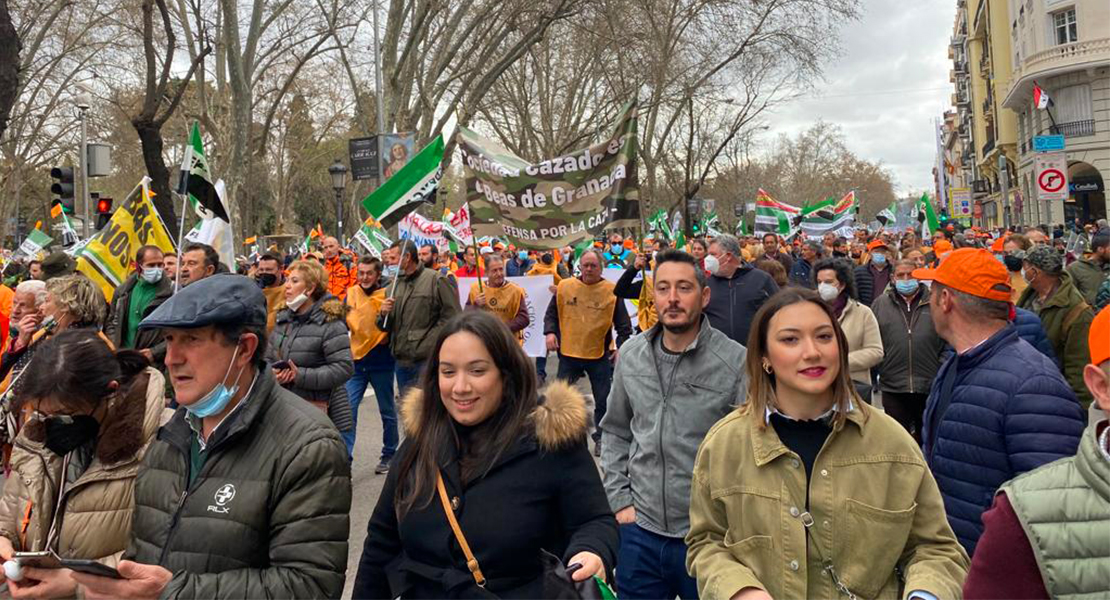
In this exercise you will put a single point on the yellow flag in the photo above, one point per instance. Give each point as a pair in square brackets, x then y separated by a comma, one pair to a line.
[107, 258]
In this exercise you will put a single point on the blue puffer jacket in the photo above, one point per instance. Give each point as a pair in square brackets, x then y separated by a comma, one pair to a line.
[1031, 329]
[997, 411]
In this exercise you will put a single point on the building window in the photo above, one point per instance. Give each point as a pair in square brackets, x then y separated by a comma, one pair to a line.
[1063, 23]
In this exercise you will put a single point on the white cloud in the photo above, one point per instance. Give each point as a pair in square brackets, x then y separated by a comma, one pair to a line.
[886, 89]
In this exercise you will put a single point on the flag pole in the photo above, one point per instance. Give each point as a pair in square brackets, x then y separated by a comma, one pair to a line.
[477, 263]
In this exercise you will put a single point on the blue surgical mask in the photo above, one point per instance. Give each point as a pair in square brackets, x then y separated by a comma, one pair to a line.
[522, 255]
[879, 259]
[152, 275]
[216, 400]
[906, 286]
[391, 271]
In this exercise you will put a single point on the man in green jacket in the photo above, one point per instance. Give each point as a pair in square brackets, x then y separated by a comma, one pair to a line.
[1089, 273]
[1045, 536]
[246, 491]
[1066, 316]
[417, 306]
[145, 290]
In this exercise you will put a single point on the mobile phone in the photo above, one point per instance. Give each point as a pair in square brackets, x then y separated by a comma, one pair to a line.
[280, 365]
[37, 560]
[90, 567]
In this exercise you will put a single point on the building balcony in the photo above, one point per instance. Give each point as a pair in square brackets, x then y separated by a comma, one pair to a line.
[988, 146]
[961, 66]
[1074, 129]
[962, 98]
[1057, 60]
[980, 186]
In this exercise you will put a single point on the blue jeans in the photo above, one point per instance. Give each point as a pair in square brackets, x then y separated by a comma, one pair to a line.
[652, 566]
[408, 376]
[600, 372]
[377, 371]
[541, 368]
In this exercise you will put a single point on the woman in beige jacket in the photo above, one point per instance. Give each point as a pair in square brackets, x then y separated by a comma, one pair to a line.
[837, 285]
[807, 492]
[74, 463]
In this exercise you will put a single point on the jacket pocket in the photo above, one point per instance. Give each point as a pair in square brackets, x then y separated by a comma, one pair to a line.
[874, 541]
[757, 552]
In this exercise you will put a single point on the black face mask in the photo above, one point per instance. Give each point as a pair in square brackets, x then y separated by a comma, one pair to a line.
[267, 279]
[66, 433]
[367, 290]
[839, 254]
[1013, 263]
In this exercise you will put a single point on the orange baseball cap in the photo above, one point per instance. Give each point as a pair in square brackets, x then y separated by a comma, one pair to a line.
[629, 244]
[941, 246]
[973, 271]
[876, 244]
[1099, 338]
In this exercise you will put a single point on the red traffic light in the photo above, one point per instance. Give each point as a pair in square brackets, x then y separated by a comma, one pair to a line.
[104, 206]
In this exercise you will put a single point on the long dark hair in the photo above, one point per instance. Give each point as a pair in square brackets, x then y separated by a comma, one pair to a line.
[845, 274]
[76, 368]
[435, 430]
[761, 384]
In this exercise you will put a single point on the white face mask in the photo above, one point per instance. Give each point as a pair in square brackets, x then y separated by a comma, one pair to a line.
[153, 275]
[297, 302]
[712, 264]
[828, 291]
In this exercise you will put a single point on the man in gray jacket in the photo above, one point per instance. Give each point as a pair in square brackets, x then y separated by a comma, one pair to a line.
[672, 383]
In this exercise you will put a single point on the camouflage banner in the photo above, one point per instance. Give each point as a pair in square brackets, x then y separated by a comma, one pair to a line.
[558, 202]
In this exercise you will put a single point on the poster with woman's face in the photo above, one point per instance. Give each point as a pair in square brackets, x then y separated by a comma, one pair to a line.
[396, 151]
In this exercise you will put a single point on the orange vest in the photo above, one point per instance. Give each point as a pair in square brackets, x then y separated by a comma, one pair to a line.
[502, 301]
[646, 316]
[542, 269]
[362, 315]
[339, 277]
[585, 317]
[275, 301]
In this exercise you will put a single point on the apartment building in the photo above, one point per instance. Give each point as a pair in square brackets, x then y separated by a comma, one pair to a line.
[1064, 47]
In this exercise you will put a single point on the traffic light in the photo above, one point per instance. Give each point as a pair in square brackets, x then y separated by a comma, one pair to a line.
[63, 188]
[103, 212]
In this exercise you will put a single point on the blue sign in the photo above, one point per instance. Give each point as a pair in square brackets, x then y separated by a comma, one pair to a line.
[1048, 143]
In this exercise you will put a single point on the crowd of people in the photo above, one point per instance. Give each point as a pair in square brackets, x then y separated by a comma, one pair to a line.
[868, 416]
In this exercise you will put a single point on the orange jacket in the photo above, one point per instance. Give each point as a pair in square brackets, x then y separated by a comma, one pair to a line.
[339, 277]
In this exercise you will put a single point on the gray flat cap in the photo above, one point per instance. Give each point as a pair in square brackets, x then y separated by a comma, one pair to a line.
[219, 299]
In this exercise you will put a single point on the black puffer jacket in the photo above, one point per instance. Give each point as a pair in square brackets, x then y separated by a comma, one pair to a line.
[266, 517]
[318, 344]
[543, 492]
[911, 346]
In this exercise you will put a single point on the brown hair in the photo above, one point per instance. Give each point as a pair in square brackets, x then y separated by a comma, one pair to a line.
[773, 268]
[417, 470]
[314, 275]
[761, 384]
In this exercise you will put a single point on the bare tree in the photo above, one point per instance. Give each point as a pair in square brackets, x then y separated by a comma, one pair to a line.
[160, 102]
[9, 65]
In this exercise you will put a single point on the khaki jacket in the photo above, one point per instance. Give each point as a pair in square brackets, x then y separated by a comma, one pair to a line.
[96, 512]
[877, 515]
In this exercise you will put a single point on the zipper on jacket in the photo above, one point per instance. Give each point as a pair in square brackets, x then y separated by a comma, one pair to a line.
[189, 489]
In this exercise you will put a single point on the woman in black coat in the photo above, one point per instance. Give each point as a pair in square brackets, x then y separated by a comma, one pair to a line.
[516, 470]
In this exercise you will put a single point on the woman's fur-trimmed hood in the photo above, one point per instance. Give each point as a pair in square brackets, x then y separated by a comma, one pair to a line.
[560, 418]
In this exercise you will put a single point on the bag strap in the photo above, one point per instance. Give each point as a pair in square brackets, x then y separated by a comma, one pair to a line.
[471, 562]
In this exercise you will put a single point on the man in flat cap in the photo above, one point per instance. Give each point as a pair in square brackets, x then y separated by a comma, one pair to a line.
[1066, 316]
[246, 491]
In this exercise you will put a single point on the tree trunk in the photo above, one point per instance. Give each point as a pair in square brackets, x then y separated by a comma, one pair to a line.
[150, 137]
[9, 65]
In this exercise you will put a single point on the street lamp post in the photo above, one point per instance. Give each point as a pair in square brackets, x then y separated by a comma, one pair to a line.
[338, 172]
[83, 160]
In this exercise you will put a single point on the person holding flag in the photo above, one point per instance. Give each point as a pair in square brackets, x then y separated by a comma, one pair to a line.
[500, 297]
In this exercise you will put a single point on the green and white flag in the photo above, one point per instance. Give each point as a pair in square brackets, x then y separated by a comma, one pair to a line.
[837, 216]
[927, 216]
[34, 243]
[373, 239]
[414, 184]
[659, 225]
[711, 224]
[886, 216]
[772, 216]
[196, 180]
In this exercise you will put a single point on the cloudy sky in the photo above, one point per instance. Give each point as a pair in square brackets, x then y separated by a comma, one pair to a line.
[887, 87]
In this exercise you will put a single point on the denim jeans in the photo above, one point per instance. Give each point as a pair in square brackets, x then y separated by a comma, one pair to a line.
[541, 368]
[600, 372]
[651, 566]
[377, 371]
[408, 376]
